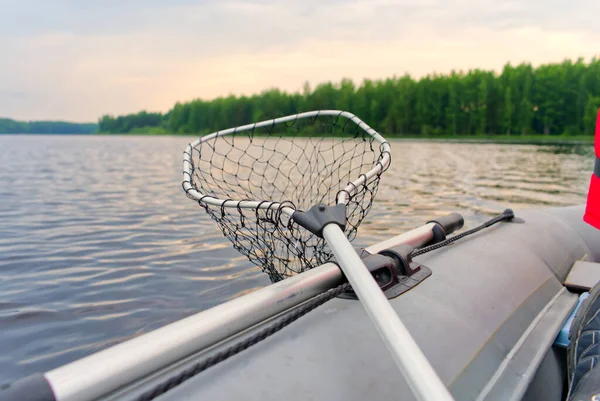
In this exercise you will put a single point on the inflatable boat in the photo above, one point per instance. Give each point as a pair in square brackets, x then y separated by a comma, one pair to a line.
[489, 311]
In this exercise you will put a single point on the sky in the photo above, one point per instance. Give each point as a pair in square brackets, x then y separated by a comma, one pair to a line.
[77, 59]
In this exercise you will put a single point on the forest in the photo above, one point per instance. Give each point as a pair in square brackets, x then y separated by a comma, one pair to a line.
[8, 126]
[550, 99]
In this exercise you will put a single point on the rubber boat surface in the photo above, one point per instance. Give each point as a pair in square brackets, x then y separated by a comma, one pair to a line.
[487, 319]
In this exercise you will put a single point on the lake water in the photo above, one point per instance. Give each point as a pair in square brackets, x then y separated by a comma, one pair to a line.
[98, 242]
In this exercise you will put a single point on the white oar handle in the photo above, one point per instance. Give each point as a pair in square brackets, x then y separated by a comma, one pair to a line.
[419, 374]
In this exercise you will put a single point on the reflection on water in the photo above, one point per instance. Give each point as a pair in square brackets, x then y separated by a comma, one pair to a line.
[99, 244]
[582, 150]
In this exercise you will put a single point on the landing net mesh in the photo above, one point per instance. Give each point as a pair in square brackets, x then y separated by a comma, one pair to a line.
[284, 164]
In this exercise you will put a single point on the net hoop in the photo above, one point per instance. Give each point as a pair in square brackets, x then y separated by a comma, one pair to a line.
[344, 194]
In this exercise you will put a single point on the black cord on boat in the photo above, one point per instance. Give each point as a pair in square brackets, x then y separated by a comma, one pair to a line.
[507, 215]
[290, 317]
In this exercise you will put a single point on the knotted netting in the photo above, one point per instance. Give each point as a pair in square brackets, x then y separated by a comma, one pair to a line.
[251, 179]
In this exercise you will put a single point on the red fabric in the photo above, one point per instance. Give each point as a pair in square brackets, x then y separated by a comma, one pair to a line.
[592, 210]
[597, 138]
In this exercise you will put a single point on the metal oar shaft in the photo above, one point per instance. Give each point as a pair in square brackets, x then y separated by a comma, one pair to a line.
[106, 371]
[420, 376]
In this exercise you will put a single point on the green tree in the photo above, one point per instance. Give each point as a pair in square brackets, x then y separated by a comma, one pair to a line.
[451, 108]
[591, 114]
[507, 111]
[481, 108]
[525, 109]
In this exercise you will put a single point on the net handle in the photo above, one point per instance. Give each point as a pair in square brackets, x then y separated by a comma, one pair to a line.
[344, 194]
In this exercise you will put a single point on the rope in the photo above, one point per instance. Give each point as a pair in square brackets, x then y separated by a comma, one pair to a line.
[506, 215]
[284, 321]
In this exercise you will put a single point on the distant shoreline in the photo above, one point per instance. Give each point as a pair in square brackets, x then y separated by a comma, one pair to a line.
[506, 139]
[500, 139]
[45, 127]
[49, 134]
[483, 139]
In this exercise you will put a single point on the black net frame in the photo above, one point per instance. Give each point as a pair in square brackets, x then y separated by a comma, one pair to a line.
[250, 180]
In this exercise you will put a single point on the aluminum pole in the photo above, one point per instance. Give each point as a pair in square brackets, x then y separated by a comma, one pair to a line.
[419, 374]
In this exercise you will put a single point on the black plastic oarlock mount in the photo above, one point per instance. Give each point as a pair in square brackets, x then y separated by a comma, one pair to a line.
[320, 215]
[393, 268]
[394, 271]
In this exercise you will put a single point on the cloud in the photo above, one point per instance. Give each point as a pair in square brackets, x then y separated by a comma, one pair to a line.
[77, 60]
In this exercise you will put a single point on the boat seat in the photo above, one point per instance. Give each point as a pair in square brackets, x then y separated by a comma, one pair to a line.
[583, 276]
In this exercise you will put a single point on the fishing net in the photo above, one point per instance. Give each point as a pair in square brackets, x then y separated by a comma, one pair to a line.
[251, 179]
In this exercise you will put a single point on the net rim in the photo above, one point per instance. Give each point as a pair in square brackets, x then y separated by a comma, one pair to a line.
[379, 167]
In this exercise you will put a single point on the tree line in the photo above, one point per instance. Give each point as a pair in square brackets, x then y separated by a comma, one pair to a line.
[551, 99]
[8, 126]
